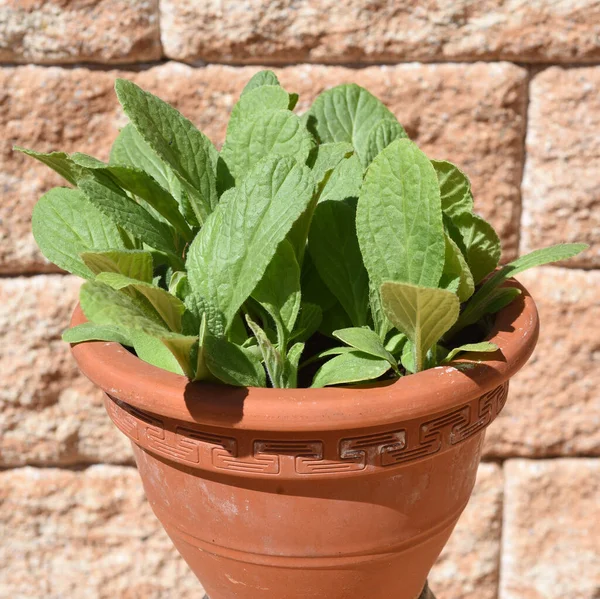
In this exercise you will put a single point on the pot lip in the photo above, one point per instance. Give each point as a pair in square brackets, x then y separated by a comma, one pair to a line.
[125, 377]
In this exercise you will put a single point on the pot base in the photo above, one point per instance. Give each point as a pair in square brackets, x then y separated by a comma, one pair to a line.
[426, 594]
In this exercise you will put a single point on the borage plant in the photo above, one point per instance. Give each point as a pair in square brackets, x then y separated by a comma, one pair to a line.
[320, 250]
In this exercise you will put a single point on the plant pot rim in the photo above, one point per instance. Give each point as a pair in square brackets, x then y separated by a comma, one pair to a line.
[148, 388]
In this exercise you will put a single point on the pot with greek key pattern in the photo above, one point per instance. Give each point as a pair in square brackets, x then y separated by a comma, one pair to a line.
[335, 493]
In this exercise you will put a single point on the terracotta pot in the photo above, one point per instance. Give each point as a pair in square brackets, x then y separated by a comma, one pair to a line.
[331, 493]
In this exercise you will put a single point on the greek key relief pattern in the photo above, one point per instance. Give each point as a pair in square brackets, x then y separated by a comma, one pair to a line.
[414, 440]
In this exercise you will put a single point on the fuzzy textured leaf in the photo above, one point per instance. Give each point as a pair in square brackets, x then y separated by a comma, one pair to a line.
[176, 141]
[381, 136]
[65, 224]
[399, 217]
[350, 367]
[455, 188]
[366, 341]
[481, 347]
[423, 314]
[135, 264]
[279, 290]
[229, 256]
[277, 132]
[347, 113]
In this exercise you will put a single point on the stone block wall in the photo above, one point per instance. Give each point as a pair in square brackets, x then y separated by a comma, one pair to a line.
[507, 89]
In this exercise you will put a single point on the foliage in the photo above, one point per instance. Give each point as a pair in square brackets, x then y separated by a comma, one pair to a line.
[315, 250]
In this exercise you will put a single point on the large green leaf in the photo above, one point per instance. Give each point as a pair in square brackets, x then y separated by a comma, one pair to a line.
[399, 217]
[89, 331]
[65, 224]
[479, 304]
[366, 341]
[455, 188]
[135, 264]
[347, 113]
[276, 132]
[104, 305]
[381, 136]
[334, 250]
[130, 149]
[176, 141]
[279, 290]
[146, 188]
[167, 306]
[423, 314]
[325, 157]
[112, 201]
[231, 252]
[350, 367]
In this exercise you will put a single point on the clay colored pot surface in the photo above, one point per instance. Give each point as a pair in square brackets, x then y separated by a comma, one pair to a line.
[336, 493]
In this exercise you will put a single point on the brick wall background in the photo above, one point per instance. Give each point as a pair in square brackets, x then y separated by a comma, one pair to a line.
[508, 89]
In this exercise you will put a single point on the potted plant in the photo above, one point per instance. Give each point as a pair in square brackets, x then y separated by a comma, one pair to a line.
[304, 335]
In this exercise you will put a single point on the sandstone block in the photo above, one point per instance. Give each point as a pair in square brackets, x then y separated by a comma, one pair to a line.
[87, 534]
[49, 413]
[470, 114]
[553, 405]
[468, 566]
[55, 31]
[353, 31]
[551, 529]
[561, 186]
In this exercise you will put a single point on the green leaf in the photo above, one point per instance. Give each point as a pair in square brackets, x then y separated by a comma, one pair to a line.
[455, 188]
[182, 348]
[104, 305]
[231, 364]
[351, 367]
[366, 341]
[279, 291]
[399, 217]
[456, 275]
[65, 224]
[168, 307]
[500, 298]
[308, 322]
[201, 307]
[130, 149]
[291, 365]
[152, 350]
[344, 182]
[381, 322]
[332, 351]
[176, 141]
[277, 132]
[326, 157]
[265, 77]
[57, 161]
[479, 303]
[423, 314]
[347, 113]
[271, 356]
[260, 99]
[135, 264]
[93, 332]
[86, 161]
[125, 212]
[396, 343]
[231, 252]
[481, 347]
[146, 188]
[481, 244]
[334, 250]
[381, 136]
